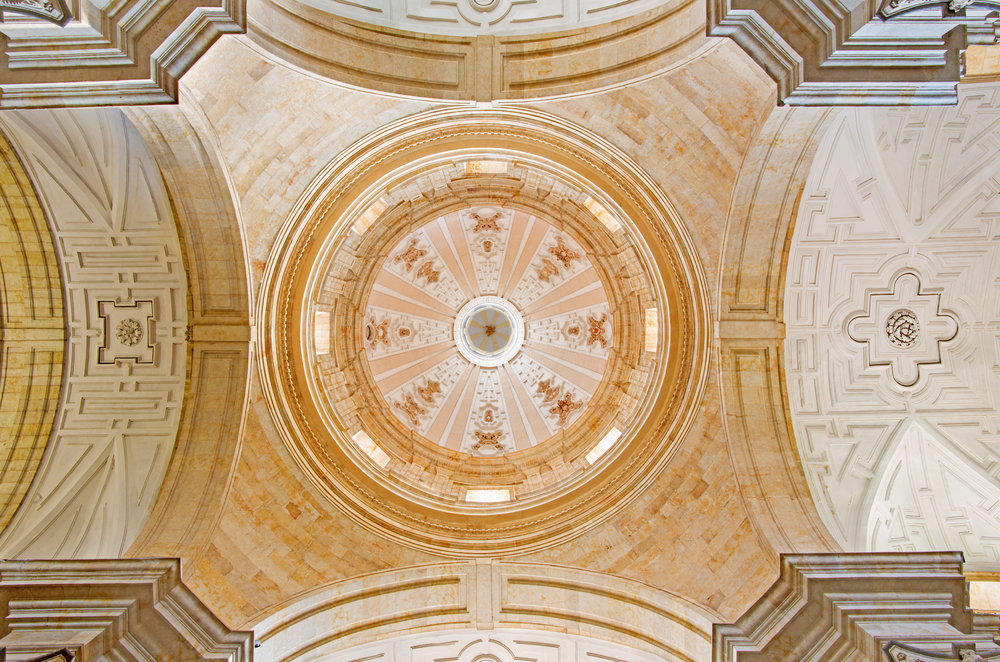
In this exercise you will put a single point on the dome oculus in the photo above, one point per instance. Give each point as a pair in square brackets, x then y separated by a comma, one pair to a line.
[489, 331]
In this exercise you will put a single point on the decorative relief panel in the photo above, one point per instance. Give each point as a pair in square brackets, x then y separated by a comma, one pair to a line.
[419, 401]
[557, 260]
[388, 332]
[588, 330]
[556, 400]
[893, 330]
[127, 316]
[419, 264]
[486, 233]
[128, 332]
[488, 430]
[413, 323]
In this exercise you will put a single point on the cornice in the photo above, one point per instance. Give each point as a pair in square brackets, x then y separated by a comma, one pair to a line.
[105, 64]
[844, 53]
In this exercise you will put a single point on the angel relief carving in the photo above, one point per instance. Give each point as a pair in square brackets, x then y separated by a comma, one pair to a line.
[410, 255]
[564, 407]
[548, 270]
[412, 410]
[564, 253]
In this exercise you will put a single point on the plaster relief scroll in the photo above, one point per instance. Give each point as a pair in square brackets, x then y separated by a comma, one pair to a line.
[127, 318]
[419, 263]
[893, 332]
[557, 260]
[486, 232]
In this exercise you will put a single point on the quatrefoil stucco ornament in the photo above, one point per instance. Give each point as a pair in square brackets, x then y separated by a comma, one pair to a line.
[903, 329]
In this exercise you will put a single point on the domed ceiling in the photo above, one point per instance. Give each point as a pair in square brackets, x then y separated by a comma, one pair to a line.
[473, 347]
[488, 331]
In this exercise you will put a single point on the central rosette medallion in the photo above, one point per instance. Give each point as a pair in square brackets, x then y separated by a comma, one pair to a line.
[489, 331]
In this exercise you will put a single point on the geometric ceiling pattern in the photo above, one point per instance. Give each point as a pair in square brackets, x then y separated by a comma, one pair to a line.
[413, 333]
[893, 328]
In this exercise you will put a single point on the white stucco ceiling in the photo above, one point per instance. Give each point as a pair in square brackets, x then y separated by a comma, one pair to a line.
[898, 436]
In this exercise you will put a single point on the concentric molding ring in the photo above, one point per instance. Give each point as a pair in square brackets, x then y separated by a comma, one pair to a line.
[343, 192]
[461, 331]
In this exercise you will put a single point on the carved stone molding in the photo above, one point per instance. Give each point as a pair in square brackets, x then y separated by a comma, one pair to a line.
[851, 606]
[487, 599]
[53, 11]
[106, 54]
[121, 259]
[841, 53]
[100, 610]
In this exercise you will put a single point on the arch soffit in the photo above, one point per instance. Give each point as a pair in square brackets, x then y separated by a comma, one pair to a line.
[210, 433]
[397, 605]
[32, 332]
[477, 67]
[750, 332]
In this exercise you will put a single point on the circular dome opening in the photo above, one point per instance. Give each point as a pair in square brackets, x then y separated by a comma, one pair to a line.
[489, 331]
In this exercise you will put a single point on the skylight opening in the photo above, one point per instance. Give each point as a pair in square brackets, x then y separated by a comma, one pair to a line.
[485, 167]
[371, 449]
[487, 496]
[602, 447]
[370, 216]
[603, 215]
[652, 329]
[322, 332]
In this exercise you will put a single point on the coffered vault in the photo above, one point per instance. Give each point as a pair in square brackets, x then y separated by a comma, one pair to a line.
[489, 341]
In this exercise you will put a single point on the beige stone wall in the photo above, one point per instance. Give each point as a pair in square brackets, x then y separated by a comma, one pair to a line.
[32, 332]
[750, 331]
